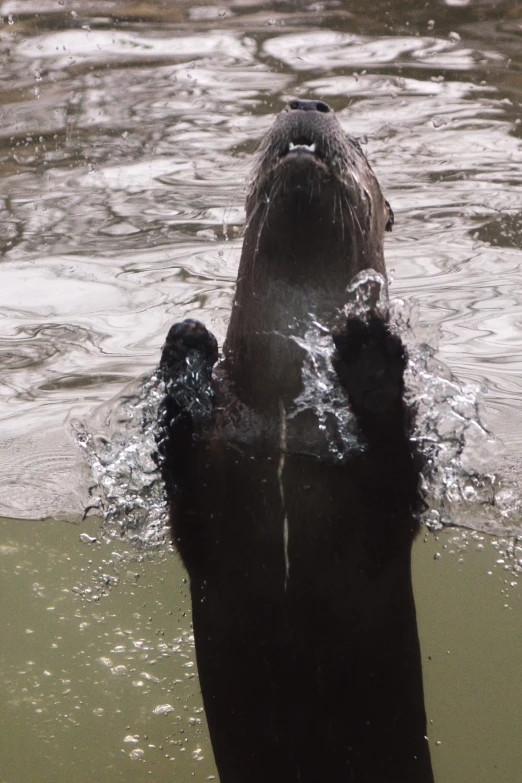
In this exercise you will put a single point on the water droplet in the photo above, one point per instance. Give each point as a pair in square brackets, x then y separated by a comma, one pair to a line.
[163, 709]
[85, 538]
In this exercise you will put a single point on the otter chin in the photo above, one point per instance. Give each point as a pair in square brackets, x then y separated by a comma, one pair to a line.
[300, 562]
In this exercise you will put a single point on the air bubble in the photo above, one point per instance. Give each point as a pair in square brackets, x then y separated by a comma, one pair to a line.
[163, 709]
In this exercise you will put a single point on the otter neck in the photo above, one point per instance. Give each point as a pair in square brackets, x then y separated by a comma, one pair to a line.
[294, 271]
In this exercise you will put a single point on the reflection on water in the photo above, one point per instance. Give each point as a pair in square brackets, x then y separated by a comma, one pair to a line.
[126, 133]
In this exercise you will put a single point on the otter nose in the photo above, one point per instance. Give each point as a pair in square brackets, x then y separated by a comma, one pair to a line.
[298, 105]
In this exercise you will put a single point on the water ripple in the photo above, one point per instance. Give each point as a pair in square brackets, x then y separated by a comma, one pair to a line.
[124, 153]
[322, 50]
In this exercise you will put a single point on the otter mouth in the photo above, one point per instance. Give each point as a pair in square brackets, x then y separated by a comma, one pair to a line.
[306, 152]
[299, 145]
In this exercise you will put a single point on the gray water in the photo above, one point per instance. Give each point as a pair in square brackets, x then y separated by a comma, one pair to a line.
[126, 137]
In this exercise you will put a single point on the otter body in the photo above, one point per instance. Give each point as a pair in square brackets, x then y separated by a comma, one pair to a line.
[299, 557]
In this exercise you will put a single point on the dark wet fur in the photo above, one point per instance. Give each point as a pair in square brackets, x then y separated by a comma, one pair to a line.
[303, 610]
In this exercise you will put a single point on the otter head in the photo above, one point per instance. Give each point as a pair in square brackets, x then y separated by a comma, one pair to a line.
[314, 198]
[315, 217]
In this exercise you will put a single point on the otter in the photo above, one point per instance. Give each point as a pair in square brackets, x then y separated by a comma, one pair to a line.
[297, 545]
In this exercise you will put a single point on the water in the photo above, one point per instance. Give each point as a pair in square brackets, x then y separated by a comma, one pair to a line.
[122, 215]
[126, 139]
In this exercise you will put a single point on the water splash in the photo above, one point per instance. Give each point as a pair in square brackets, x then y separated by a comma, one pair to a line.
[463, 476]
[323, 394]
[128, 491]
[462, 479]
[367, 295]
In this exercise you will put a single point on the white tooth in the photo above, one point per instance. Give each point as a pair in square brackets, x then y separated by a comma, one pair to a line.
[309, 147]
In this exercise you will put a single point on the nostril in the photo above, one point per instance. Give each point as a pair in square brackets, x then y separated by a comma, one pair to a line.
[299, 105]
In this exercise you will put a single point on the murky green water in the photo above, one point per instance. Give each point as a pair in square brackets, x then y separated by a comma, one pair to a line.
[96, 661]
[99, 682]
[126, 133]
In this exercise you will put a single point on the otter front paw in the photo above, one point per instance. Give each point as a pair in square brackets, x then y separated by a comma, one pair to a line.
[370, 362]
[187, 359]
[189, 345]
